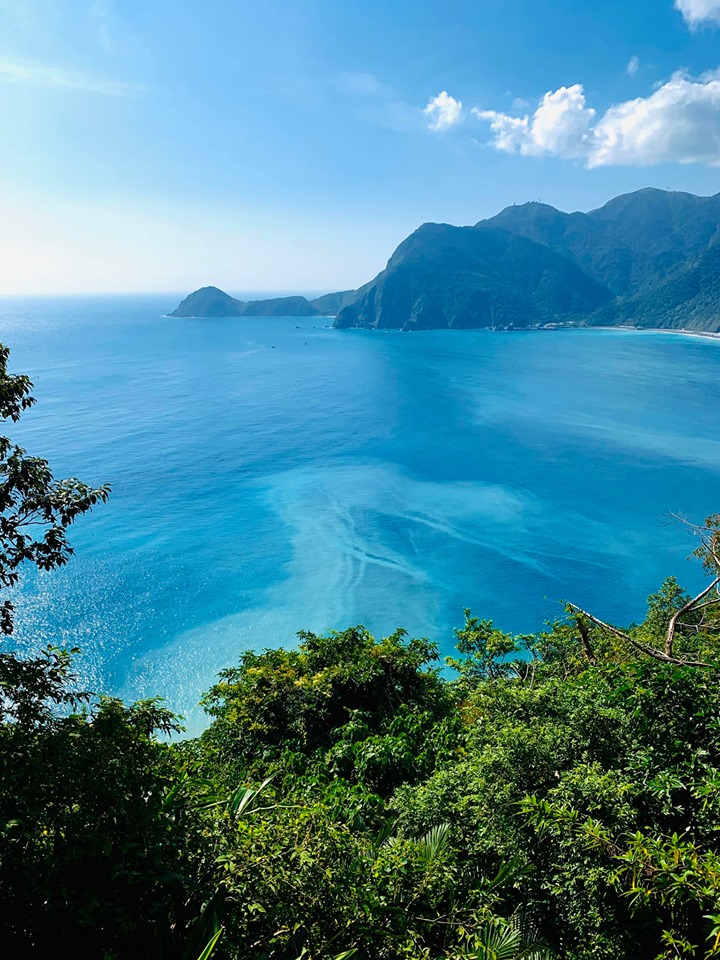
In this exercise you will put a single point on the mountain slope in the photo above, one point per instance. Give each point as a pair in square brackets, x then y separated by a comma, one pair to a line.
[688, 300]
[462, 277]
[632, 242]
[209, 302]
[330, 304]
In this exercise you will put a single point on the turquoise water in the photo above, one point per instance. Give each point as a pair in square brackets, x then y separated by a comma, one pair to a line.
[273, 474]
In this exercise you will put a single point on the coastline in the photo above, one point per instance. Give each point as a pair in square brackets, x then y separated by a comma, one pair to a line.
[547, 328]
[681, 332]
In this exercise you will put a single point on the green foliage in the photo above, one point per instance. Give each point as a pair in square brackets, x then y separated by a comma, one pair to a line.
[661, 606]
[86, 848]
[347, 796]
[655, 250]
[489, 653]
[508, 939]
[35, 509]
[369, 711]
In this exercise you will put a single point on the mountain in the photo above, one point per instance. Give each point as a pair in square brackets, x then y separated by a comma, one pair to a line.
[209, 302]
[649, 258]
[653, 257]
[630, 243]
[330, 304]
[462, 277]
[213, 302]
[687, 300]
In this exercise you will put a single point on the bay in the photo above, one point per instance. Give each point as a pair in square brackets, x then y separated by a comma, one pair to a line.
[272, 474]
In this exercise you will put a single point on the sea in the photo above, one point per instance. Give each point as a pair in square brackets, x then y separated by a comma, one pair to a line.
[271, 475]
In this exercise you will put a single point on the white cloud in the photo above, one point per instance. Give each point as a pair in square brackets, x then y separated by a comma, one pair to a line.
[559, 127]
[63, 77]
[678, 123]
[697, 12]
[443, 111]
[633, 66]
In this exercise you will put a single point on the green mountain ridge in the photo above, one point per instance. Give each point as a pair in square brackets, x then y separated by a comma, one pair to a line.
[648, 259]
[630, 243]
[462, 277]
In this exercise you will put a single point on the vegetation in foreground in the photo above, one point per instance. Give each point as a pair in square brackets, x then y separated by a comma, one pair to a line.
[553, 795]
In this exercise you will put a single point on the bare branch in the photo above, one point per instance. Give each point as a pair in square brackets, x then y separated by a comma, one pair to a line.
[708, 535]
[707, 603]
[641, 647]
[683, 610]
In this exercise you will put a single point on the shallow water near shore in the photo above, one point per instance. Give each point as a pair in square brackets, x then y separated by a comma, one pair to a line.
[271, 475]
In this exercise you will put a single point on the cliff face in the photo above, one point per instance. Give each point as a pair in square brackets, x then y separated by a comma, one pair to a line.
[650, 258]
[463, 277]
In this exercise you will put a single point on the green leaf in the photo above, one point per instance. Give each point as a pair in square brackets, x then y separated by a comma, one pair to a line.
[210, 946]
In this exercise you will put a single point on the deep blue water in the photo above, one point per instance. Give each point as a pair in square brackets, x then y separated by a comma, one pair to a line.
[273, 474]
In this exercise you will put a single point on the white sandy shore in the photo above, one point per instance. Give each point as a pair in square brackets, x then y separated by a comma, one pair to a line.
[679, 332]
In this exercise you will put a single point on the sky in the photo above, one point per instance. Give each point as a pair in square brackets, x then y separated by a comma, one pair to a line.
[290, 145]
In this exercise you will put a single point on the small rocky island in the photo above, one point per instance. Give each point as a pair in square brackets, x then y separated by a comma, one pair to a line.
[212, 302]
[649, 259]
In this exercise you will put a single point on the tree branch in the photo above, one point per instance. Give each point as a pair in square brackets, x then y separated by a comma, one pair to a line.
[641, 647]
[709, 536]
[684, 609]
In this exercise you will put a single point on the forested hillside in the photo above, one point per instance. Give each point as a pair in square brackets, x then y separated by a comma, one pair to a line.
[462, 277]
[646, 258]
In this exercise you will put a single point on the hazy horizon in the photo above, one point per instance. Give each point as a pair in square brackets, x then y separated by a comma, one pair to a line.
[238, 294]
[254, 293]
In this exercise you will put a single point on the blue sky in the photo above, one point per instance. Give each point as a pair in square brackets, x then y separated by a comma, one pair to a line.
[157, 145]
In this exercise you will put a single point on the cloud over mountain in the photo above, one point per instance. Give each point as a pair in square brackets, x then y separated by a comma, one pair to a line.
[678, 123]
[560, 126]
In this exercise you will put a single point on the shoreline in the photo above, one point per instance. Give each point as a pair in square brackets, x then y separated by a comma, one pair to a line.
[680, 331]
